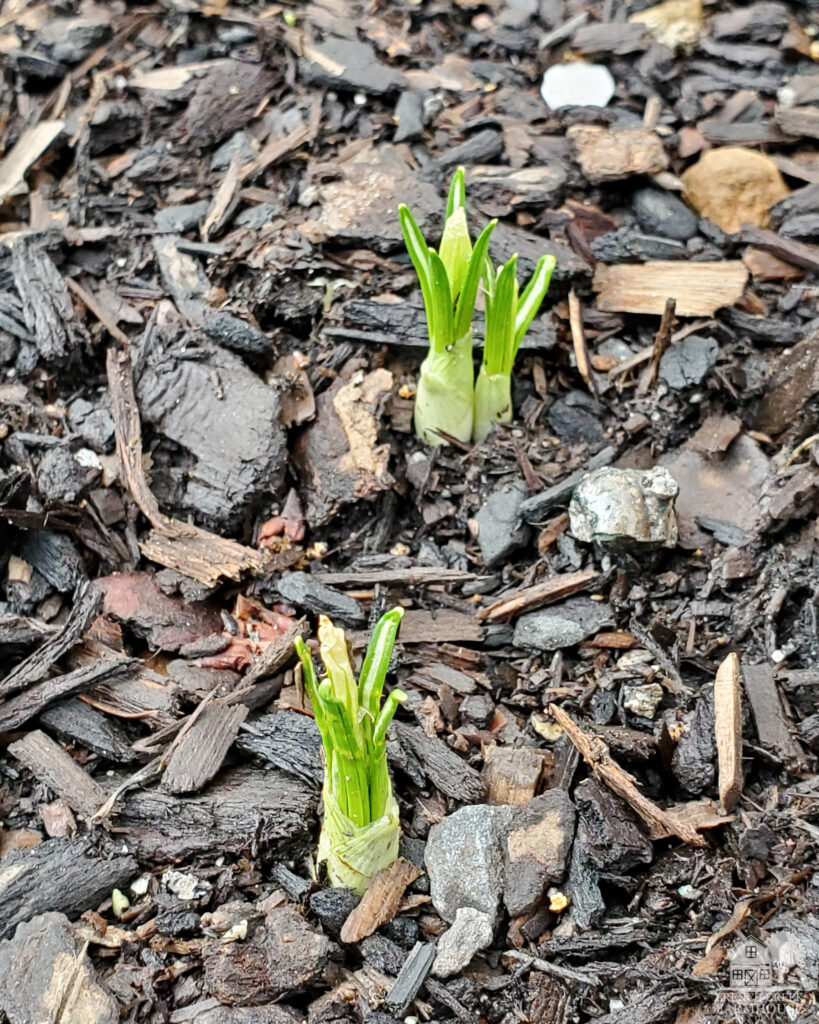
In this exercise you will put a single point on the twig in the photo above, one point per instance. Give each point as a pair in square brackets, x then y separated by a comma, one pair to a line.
[540, 594]
[662, 339]
[546, 968]
[595, 753]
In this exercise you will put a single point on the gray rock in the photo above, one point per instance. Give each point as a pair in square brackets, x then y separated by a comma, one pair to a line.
[332, 907]
[409, 116]
[176, 220]
[273, 1013]
[576, 417]
[689, 362]
[349, 64]
[537, 849]
[95, 426]
[300, 589]
[464, 859]
[563, 625]
[481, 148]
[498, 531]
[662, 213]
[240, 143]
[472, 930]
[59, 476]
[625, 507]
[46, 974]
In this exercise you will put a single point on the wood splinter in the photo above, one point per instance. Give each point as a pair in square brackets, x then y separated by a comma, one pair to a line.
[728, 729]
[595, 753]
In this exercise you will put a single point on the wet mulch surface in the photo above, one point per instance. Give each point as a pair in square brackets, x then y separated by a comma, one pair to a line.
[209, 336]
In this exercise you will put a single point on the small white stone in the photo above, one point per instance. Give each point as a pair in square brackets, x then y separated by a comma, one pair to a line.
[140, 885]
[87, 458]
[471, 930]
[184, 886]
[577, 84]
[643, 700]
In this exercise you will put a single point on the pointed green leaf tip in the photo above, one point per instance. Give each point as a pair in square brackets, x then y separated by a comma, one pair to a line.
[361, 827]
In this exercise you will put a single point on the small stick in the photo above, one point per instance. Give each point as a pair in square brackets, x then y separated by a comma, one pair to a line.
[728, 729]
[581, 352]
[595, 753]
[662, 339]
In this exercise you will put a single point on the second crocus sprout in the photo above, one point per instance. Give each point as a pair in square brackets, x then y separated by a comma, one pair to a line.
[448, 401]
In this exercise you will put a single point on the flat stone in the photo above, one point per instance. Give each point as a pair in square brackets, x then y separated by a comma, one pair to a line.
[471, 931]
[577, 84]
[537, 850]
[609, 154]
[464, 860]
[662, 213]
[46, 975]
[563, 625]
[498, 533]
[575, 417]
[348, 64]
[625, 507]
[689, 362]
[175, 220]
[409, 116]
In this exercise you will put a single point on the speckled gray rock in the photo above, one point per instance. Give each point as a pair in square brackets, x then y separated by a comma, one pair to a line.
[643, 700]
[498, 532]
[563, 625]
[537, 849]
[409, 116]
[471, 931]
[689, 362]
[464, 860]
[625, 507]
[662, 213]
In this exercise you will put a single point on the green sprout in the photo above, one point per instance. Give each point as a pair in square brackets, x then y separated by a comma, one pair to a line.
[449, 281]
[361, 827]
[508, 316]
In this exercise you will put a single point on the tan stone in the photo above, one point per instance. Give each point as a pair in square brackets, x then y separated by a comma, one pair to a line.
[608, 154]
[734, 186]
[674, 23]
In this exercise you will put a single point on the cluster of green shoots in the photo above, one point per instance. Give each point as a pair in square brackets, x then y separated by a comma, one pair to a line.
[448, 400]
[361, 827]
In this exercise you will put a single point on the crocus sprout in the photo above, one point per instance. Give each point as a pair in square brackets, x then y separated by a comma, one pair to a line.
[449, 281]
[360, 832]
[508, 316]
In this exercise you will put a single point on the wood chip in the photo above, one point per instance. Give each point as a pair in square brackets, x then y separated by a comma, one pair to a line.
[33, 142]
[700, 289]
[530, 598]
[728, 729]
[581, 352]
[513, 774]
[799, 254]
[199, 754]
[446, 625]
[49, 763]
[699, 814]
[442, 766]
[766, 707]
[596, 755]
[381, 901]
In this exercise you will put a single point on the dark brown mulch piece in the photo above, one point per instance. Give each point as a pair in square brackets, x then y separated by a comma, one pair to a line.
[87, 604]
[450, 773]
[381, 901]
[766, 706]
[60, 874]
[50, 764]
[199, 754]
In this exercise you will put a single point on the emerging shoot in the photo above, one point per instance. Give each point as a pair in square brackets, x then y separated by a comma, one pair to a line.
[360, 832]
[449, 281]
[508, 316]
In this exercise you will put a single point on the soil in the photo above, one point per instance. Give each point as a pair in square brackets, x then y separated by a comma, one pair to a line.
[209, 339]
